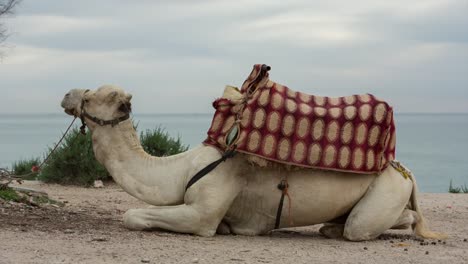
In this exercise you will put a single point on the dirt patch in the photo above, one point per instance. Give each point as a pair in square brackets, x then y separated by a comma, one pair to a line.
[88, 229]
[49, 218]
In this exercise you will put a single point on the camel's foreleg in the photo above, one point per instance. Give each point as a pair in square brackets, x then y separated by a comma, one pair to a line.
[206, 203]
[179, 218]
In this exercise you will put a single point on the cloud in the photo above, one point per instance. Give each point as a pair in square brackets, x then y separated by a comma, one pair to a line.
[45, 25]
[176, 56]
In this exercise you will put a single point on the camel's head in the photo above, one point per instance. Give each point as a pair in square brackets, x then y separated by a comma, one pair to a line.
[72, 100]
[107, 102]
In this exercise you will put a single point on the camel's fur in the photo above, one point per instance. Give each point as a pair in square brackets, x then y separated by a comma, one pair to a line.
[237, 197]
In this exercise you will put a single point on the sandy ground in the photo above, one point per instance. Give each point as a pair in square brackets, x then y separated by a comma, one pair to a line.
[88, 229]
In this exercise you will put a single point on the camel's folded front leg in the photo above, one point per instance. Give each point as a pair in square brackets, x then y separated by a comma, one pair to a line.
[179, 218]
[206, 203]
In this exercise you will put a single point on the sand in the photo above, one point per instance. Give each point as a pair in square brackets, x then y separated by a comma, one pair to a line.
[88, 229]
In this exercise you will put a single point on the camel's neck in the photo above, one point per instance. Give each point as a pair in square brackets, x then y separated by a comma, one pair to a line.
[158, 181]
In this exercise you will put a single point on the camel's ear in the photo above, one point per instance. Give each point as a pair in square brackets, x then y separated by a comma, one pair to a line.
[128, 97]
[112, 96]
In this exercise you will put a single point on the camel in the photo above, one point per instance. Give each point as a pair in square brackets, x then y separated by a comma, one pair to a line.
[238, 197]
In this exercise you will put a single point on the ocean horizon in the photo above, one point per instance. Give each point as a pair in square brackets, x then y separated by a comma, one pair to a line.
[432, 145]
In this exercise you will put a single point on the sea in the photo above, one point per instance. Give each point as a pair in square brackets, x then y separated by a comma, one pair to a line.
[433, 146]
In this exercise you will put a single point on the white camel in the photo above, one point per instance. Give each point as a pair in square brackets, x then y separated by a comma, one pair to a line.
[238, 197]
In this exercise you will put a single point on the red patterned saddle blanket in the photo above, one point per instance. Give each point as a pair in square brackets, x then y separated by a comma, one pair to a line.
[271, 121]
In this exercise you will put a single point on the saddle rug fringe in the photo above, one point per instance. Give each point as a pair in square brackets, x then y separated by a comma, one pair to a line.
[271, 121]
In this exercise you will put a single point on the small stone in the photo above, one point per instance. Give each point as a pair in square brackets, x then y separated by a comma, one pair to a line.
[68, 231]
[98, 184]
[365, 248]
[100, 239]
[32, 201]
[427, 252]
[405, 249]
[145, 260]
[433, 243]
[464, 240]
[195, 260]
[391, 241]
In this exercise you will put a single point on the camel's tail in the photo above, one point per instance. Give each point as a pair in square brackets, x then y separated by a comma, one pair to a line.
[420, 227]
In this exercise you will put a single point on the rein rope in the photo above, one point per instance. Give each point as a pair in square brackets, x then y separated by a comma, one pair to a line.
[10, 177]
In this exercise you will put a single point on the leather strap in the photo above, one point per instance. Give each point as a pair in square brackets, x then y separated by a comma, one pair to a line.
[228, 154]
[101, 122]
[283, 186]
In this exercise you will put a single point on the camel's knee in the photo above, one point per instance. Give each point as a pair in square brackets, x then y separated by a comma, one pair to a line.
[357, 235]
[132, 221]
[361, 226]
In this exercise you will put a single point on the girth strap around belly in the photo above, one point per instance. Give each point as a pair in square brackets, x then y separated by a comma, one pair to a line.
[228, 154]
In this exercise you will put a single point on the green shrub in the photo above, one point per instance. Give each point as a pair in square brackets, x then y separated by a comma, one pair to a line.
[23, 167]
[157, 142]
[462, 189]
[453, 189]
[73, 162]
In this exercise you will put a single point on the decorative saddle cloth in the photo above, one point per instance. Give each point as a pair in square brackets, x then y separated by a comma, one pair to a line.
[268, 120]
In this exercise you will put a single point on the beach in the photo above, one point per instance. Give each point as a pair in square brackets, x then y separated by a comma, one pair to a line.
[89, 229]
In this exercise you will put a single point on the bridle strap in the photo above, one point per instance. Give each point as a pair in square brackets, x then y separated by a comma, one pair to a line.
[101, 122]
[96, 120]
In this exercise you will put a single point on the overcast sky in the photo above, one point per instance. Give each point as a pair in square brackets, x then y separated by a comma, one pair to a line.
[177, 56]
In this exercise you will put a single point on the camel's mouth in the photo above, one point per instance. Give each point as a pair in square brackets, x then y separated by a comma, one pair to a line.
[70, 111]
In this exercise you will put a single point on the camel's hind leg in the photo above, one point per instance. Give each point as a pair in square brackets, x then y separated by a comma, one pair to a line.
[407, 219]
[380, 208]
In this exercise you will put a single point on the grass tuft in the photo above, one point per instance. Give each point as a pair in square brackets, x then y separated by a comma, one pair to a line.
[9, 194]
[462, 189]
